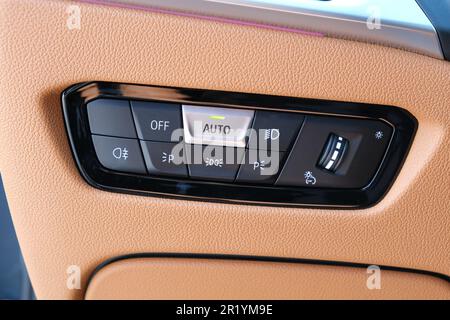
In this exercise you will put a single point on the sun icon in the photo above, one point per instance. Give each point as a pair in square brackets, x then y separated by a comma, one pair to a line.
[379, 135]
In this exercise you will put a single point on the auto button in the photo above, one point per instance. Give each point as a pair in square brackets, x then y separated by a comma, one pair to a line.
[216, 126]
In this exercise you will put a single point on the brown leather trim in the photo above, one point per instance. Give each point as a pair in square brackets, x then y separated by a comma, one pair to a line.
[147, 255]
[232, 277]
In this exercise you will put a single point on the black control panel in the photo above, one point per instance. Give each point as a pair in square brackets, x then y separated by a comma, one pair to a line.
[235, 147]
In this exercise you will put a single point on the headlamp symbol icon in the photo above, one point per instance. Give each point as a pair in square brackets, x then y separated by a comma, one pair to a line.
[120, 153]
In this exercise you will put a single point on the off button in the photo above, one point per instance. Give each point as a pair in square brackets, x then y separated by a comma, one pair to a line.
[157, 121]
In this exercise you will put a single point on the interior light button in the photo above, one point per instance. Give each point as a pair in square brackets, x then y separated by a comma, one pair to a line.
[336, 152]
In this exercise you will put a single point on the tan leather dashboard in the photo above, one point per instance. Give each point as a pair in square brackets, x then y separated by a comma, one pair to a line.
[61, 221]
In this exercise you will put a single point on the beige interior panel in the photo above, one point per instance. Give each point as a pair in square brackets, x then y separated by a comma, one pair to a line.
[61, 221]
[201, 279]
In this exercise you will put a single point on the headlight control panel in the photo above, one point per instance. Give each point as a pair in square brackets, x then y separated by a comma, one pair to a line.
[235, 147]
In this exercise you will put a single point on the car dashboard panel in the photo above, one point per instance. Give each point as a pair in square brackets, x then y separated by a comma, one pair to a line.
[323, 144]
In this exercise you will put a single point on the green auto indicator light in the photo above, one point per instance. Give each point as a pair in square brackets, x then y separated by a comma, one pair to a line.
[217, 117]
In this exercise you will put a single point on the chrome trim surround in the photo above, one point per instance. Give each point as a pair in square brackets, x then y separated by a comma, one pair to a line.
[400, 23]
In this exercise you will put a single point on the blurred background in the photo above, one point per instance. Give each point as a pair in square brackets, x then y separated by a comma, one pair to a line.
[14, 281]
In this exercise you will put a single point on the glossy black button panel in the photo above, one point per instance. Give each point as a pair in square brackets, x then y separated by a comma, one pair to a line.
[274, 130]
[228, 146]
[119, 154]
[366, 141]
[111, 117]
[331, 152]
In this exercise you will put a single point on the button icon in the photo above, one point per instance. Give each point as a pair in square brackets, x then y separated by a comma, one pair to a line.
[159, 125]
[167, 157]
[259, 164]
[272, 134]
[309, 178]
[379, 135]
[120, 153]
[210, 162]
